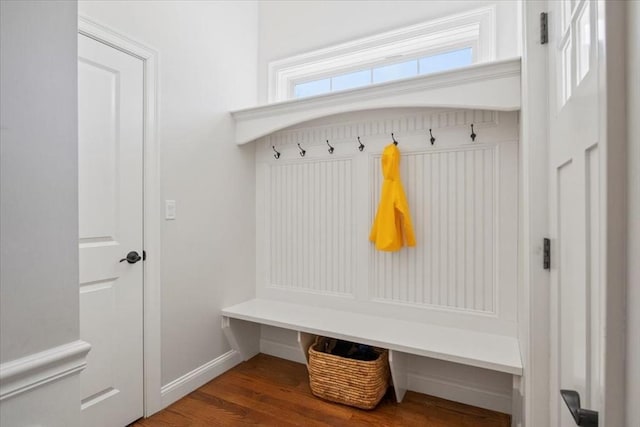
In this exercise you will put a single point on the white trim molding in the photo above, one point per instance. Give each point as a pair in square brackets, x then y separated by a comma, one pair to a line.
[38, 369]
[475, 29]
[195, 379]
[152, 204]
[533, 289]
[489, 86]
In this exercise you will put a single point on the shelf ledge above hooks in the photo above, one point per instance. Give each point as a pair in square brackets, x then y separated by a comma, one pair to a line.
[487, 86]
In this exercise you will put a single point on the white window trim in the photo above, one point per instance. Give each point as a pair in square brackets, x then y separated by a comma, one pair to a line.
[475, 28]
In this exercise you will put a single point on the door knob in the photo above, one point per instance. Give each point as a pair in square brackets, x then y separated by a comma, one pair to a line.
[582, 417]
[132, 257]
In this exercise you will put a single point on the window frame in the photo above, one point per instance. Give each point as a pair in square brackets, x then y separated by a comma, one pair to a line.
[475, 29]
[571, 73]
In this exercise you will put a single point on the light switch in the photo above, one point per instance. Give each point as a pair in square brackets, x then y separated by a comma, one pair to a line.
[169, 209]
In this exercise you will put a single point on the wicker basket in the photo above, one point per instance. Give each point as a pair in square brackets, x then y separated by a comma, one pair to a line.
[348, 381]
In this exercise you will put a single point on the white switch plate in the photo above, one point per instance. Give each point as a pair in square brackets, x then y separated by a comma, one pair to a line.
[169, 209]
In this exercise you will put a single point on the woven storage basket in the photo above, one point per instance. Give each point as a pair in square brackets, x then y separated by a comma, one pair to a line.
[348, 381]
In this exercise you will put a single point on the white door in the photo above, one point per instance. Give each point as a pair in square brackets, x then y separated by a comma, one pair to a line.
[110, 105]
[576, 200]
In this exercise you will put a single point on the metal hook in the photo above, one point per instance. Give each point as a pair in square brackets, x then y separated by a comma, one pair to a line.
[302, 151]
[473, 134]
[330, 147]
[432, 139]
[277, 155]
[361, 146]
[394, 139]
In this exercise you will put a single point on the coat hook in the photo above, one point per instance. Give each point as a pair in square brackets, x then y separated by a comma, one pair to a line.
[432, 139]
[330, 147]
[277, 155]
[302, 151]
[361, 146]
[473, 134]
[394, 139]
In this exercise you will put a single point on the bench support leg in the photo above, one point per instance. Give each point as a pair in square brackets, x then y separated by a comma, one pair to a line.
[243, 336]
[305, 341]
[516, 402]
[398, 366]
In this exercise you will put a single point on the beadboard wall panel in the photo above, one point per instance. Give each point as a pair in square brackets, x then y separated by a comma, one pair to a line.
[452, 198]
[314, 215]
[311, 229]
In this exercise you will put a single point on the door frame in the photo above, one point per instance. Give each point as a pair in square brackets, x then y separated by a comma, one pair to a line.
[534, 286]
[152, 368]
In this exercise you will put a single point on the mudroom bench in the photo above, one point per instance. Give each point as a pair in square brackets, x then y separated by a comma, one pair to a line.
[241, 325]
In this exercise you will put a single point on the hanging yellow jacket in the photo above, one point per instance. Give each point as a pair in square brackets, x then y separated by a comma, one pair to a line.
[393, 216]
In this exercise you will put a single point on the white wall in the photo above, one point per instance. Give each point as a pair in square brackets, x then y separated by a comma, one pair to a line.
[38, 200]
[289, 28]
[207, 66]
[633, 280]
[55, 404]
[39, 218]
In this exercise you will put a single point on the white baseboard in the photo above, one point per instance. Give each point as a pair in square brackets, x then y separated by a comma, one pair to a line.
[282, 351]
[191, 381]
[457, 392]
[35, 370]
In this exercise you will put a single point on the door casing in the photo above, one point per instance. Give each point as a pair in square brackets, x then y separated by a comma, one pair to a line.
[533, 289]
[152, 206]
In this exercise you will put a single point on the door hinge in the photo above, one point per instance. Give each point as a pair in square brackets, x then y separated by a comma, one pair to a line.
[144, 255]
[544, 28]
[546, 253]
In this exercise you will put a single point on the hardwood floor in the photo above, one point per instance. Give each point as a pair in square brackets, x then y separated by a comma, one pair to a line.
[275, 392]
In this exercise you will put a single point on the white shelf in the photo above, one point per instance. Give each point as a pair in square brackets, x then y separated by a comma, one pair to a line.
[486, 86]
[495, 352]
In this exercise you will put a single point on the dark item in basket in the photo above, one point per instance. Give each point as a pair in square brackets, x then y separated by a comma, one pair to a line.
[349, 349]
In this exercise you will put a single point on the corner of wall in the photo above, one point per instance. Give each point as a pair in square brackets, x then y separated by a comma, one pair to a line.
[41, 356]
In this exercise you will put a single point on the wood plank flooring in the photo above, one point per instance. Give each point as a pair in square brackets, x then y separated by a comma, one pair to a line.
[274, 392]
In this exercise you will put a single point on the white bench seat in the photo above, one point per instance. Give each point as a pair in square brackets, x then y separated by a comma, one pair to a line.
[495, 352]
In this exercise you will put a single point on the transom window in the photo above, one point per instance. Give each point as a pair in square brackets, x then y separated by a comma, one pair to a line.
[384, 73]
[438, 45]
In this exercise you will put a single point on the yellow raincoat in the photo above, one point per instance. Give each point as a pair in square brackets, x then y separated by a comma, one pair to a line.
[393, 216]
